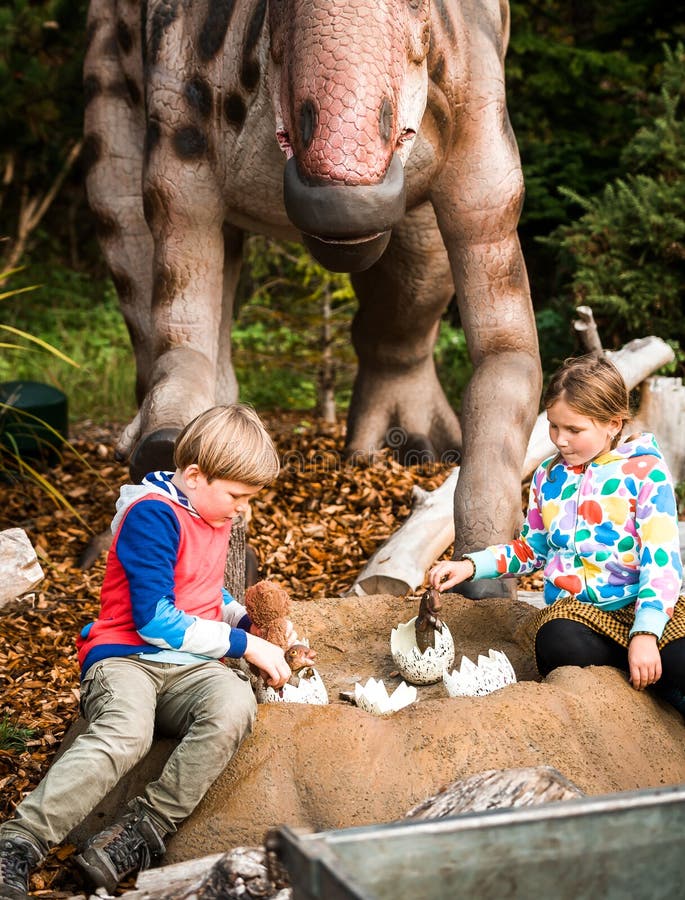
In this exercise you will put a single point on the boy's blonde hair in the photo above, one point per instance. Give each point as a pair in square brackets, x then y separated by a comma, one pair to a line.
[593, 387]
[231, 443]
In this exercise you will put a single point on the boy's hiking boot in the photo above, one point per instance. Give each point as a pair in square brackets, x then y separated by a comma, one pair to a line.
[128, 845]
[17, 858]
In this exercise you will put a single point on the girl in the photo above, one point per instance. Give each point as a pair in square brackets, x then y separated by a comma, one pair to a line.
[602, 522]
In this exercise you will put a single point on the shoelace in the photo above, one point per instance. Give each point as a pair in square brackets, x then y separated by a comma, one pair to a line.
[14, 864]
[128, 850]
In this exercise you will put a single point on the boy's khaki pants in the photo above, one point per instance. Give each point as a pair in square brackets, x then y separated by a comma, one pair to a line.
[125, 700]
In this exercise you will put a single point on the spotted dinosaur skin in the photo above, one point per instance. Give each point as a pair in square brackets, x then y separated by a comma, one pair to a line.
[375, 130]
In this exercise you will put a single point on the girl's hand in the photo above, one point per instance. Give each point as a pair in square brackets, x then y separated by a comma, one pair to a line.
[449, 572]
[644, 661]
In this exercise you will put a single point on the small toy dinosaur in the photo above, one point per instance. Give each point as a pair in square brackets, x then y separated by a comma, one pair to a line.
[428, 620]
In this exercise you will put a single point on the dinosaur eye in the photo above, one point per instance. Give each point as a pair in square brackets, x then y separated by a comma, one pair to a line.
[385, 119]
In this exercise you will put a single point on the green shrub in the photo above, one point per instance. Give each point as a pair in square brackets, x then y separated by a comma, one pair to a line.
[28, 444]
[291, 312]
[452, 362]
[14, 737]
[626, 253]
[81, 316]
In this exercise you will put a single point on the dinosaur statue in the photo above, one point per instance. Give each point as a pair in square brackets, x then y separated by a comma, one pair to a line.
[376, 131]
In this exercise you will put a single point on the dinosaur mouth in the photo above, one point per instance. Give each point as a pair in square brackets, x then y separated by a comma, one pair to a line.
[347, 254]
[345, 227]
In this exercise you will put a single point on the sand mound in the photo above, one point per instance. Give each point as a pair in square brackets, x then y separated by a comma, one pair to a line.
[336, 766]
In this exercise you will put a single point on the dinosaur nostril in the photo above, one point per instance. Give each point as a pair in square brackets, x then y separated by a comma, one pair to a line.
[385, 119]
[307, 122]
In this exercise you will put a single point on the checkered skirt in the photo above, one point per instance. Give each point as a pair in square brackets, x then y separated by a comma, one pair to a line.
[615, 624]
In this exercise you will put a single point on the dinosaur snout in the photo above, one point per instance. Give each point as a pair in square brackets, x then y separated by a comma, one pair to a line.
[346, 227]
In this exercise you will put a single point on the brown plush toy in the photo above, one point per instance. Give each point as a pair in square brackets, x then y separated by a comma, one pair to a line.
[268, 605]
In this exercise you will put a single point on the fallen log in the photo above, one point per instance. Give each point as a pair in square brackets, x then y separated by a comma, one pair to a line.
[586, 329]
[240, 873]
[399, 565]
[497, 789]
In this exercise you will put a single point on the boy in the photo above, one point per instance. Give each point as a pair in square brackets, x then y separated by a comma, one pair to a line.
[152, 658]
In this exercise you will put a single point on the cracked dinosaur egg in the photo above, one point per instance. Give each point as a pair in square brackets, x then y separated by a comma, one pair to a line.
[309, 689]
[415, 666]
[491, 673]
[373, 697]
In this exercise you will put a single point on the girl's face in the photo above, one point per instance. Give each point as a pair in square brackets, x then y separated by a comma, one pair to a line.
[579, 438]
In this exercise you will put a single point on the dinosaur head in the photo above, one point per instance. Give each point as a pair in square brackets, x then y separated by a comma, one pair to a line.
[349, 85]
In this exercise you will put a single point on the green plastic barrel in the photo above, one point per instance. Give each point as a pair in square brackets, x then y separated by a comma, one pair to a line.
[33, 419]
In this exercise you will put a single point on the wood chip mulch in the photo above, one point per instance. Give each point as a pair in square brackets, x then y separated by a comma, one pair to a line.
[313, 530]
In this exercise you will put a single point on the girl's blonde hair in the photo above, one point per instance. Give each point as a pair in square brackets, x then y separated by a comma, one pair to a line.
[593, 387]
[231, 443]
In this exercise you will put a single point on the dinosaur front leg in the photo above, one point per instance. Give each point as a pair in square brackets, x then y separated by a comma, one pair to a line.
[501, 402]
[183, 210]
[397, 398]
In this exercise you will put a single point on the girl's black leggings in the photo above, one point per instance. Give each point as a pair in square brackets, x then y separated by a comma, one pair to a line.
[562, 642]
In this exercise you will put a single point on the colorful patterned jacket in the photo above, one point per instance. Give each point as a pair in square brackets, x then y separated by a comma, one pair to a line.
[605, 532]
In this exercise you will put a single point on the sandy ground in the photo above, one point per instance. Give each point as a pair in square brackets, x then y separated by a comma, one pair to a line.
[334, 766]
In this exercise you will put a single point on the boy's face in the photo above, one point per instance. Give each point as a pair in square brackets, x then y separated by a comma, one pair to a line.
[219, 501]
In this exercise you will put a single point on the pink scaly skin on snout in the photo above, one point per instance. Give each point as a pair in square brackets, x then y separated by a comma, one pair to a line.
[357, 56]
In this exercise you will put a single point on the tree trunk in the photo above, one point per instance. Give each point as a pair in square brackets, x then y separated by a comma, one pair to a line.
[32, 210]
[234, 572]
[325, 386]
[662, 411]
[250, 872]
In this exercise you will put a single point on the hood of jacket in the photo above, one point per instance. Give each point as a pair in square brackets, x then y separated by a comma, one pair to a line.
[635, 445]
[154, 483]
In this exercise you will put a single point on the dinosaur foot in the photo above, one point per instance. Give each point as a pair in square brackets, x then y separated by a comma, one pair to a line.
[155, 452]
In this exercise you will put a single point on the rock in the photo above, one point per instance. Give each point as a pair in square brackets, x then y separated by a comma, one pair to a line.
[20, 570]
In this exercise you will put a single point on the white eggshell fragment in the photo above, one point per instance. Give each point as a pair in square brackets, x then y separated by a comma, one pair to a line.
[493, 672]
[310, 689]
[373, 697]
[417, 667]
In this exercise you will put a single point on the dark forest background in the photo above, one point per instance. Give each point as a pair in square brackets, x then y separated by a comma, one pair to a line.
[595, 94]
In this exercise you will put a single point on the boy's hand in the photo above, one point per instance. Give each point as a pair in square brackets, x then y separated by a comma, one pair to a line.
[290, 633]
[449, 572]
[644, 661]
[269, 658]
